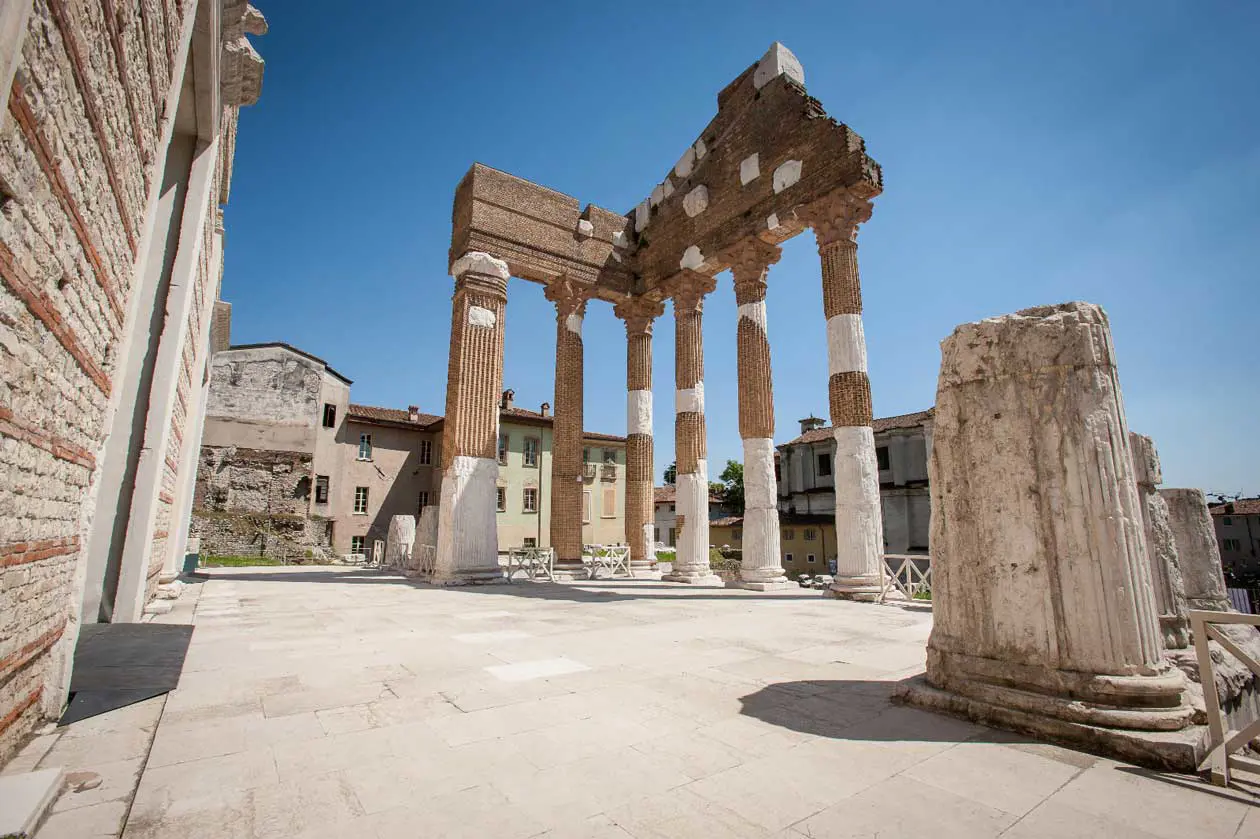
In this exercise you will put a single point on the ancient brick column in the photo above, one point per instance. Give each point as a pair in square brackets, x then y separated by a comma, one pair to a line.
[1161, 545]
[691, 560]
[860, 568]
[1198, 554]
[567, 480]
[639, 314]
[1044, 615]
[761, 568]
[467, 549]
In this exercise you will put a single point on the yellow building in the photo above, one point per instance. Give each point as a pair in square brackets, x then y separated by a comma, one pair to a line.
[806, 541]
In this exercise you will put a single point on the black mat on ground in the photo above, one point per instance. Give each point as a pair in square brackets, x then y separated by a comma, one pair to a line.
[116, 664]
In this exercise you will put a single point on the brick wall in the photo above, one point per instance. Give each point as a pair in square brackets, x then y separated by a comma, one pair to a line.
[77, 151]
[89, 113]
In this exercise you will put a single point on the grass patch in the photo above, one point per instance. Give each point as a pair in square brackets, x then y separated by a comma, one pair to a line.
[923, 594]
[236, 561]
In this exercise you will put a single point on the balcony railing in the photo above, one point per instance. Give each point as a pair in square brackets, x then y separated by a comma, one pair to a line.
[608, 472]
[589, 470]
[1222, 741]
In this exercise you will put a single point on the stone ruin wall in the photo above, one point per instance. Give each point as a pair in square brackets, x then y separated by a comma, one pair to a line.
[250, 502]
[78, 150]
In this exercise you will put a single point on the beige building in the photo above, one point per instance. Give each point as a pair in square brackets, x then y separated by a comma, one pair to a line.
[291, 467]
[806, 484]
[1237, 525]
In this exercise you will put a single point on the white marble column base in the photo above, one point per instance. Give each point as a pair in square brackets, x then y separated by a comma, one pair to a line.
[767, 585]
[704, 577]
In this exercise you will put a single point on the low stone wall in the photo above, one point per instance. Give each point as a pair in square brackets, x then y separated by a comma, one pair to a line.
[279, 536]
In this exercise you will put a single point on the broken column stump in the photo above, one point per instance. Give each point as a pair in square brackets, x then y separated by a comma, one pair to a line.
[1045, 618]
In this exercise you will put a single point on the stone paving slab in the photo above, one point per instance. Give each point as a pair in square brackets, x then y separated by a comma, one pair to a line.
[332, 702]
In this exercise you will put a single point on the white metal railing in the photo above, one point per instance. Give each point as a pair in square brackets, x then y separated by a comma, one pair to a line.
[910, 574]
[534, 563]
[423, 558]
[1223, 741]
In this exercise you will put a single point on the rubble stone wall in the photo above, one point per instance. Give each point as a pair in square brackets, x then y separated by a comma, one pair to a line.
[252, 502]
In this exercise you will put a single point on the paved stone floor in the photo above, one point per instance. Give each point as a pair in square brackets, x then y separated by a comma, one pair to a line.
[340, 702]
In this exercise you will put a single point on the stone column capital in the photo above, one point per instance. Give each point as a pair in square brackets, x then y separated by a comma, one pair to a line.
[750, 260]
[835, 217]
[480, 272]
[688, 288]
[751, 256]
[639, 313]
[569, 297]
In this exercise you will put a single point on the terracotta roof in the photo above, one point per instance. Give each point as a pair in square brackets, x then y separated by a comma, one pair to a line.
[1241, 507]
[668, 494]
[432, 422]
[728, 521]
[818, 435]
[371, 413]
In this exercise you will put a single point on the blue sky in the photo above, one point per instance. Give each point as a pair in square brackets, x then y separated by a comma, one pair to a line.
[1032, 154]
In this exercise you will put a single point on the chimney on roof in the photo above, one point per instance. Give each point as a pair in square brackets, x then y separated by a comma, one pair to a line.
[508, 396]
[811, 422]
[545, 409]
[413, 413]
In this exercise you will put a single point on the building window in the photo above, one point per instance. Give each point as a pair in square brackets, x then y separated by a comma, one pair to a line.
[424, 499]
[738, 534]
[881, 457]
[824, 464]
[330, 415]
[777, 478]
[656, 534]
[503, 441]
[1227, 521]
[529, 499]
[673, 536]
[586, 455]
[360, 500]
[321, 489]
[426, 452]
[810, 559]
[610, 457]
[586, 507]
[500, 495]
[788, 535]
[530, 542]
[531, 451]
[365, 447]
[671, 508]
[810, 534]
[787, 559]
[608, 507]
[1232, 545]
[356, 544]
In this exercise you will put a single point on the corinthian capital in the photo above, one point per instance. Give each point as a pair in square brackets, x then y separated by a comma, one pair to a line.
[835, 217]
[749, 260]
[688, 288]
[569, 297]
[638, 313]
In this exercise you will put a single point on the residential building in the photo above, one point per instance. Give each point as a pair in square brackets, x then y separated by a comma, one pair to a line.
[1237, 526]
[807, 541]
[664, 504]
[291, 467]
[804, 470]
[116, 161]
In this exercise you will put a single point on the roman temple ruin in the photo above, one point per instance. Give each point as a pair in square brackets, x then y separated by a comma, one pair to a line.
[770, 165]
